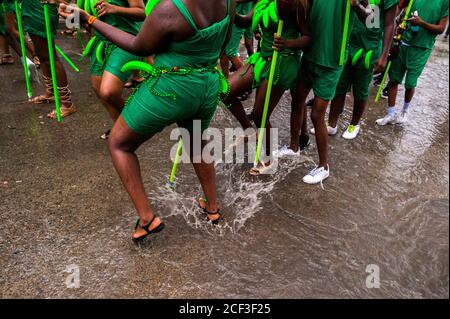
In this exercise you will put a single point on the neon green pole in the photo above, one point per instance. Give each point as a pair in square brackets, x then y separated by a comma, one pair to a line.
[268, 94]
[22, 46]
[380, 89]
[67, 59]
[52, 61]
[403, 26]
[345, 33]
[175, 164]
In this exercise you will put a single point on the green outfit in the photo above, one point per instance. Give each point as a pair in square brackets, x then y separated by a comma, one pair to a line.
[114, 57]
[286, 70]
[232, 48]
[33, 18]
[417, 46]
[185, 84]
[321, 69]
[370, 41]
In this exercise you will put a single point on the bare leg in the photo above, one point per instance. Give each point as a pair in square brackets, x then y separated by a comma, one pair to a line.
[109, 90]
[301, 94]
[225, 65]
[275, 97]
[206, 174]
[240, 82]
[392, 96]
[358, 112]
[123, 143]
[236, 62]
[11, 26]
[336, 109]
[318, 119]
[409, 94]
[249, 46]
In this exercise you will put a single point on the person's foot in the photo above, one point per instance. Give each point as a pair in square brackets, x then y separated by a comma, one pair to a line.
[65, 112]
[285, 151]
[317, 175]
[43, 99]
[385, 93]
[331, 130]
[402, 117]
[262, 169]
[140, 232]
[6, 59]
[351, 132]
[212, 217]
[304, 142]
[388, 119]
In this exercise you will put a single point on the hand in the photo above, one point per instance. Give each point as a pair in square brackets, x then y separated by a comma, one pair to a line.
[416, 21]
[380, 65]
[104, 8]
[279, 43]
[66, 11]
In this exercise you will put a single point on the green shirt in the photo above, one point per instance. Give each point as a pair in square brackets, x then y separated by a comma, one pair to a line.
[371, 38]
[431, 11]
[326, 24]
[121, 22]
[244, 8]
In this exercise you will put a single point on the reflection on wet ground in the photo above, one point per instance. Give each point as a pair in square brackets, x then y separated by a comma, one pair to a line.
[386, 204]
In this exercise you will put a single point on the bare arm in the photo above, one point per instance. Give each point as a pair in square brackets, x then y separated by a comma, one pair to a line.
[389, 24]
[135, 11]
[432, 28]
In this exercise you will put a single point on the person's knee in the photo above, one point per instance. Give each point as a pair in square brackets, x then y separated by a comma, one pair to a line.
[108, 95]
[316, 116]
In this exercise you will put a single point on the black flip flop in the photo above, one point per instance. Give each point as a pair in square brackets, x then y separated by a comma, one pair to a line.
[214, 222]
[147, 230]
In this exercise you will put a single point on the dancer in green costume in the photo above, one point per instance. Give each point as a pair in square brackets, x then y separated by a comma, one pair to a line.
[231, 54]
[322, 65]
[34, 22]
[368, 53]
[107, 59]
[255, 72]
[429, 20]
[184, 86]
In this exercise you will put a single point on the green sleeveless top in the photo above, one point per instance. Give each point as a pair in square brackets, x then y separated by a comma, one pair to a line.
[202, 50]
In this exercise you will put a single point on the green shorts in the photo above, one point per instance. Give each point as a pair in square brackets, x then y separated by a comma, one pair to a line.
[409, 63]
[357, 77]
[248, 34]
[322, 80]
[172, 98]
[115, 58]
[232, 48]
[34, 20]
[286, 71]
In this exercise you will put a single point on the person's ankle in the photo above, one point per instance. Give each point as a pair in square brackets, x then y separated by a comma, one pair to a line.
[294, 146]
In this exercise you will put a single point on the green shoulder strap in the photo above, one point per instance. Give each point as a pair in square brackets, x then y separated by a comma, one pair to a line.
[185, 12]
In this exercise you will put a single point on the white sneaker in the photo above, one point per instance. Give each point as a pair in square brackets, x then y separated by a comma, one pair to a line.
[285, 151]
[351, 132]
[331, 130]
[388, 119]
[402, 117]
[317, 175]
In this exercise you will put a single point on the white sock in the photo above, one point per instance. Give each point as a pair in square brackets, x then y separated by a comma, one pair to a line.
[391, 110]
[406, 106]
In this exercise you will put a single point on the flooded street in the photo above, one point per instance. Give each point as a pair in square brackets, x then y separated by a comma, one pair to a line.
[386, 204]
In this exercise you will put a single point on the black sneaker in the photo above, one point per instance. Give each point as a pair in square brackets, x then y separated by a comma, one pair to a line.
[304, 142]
